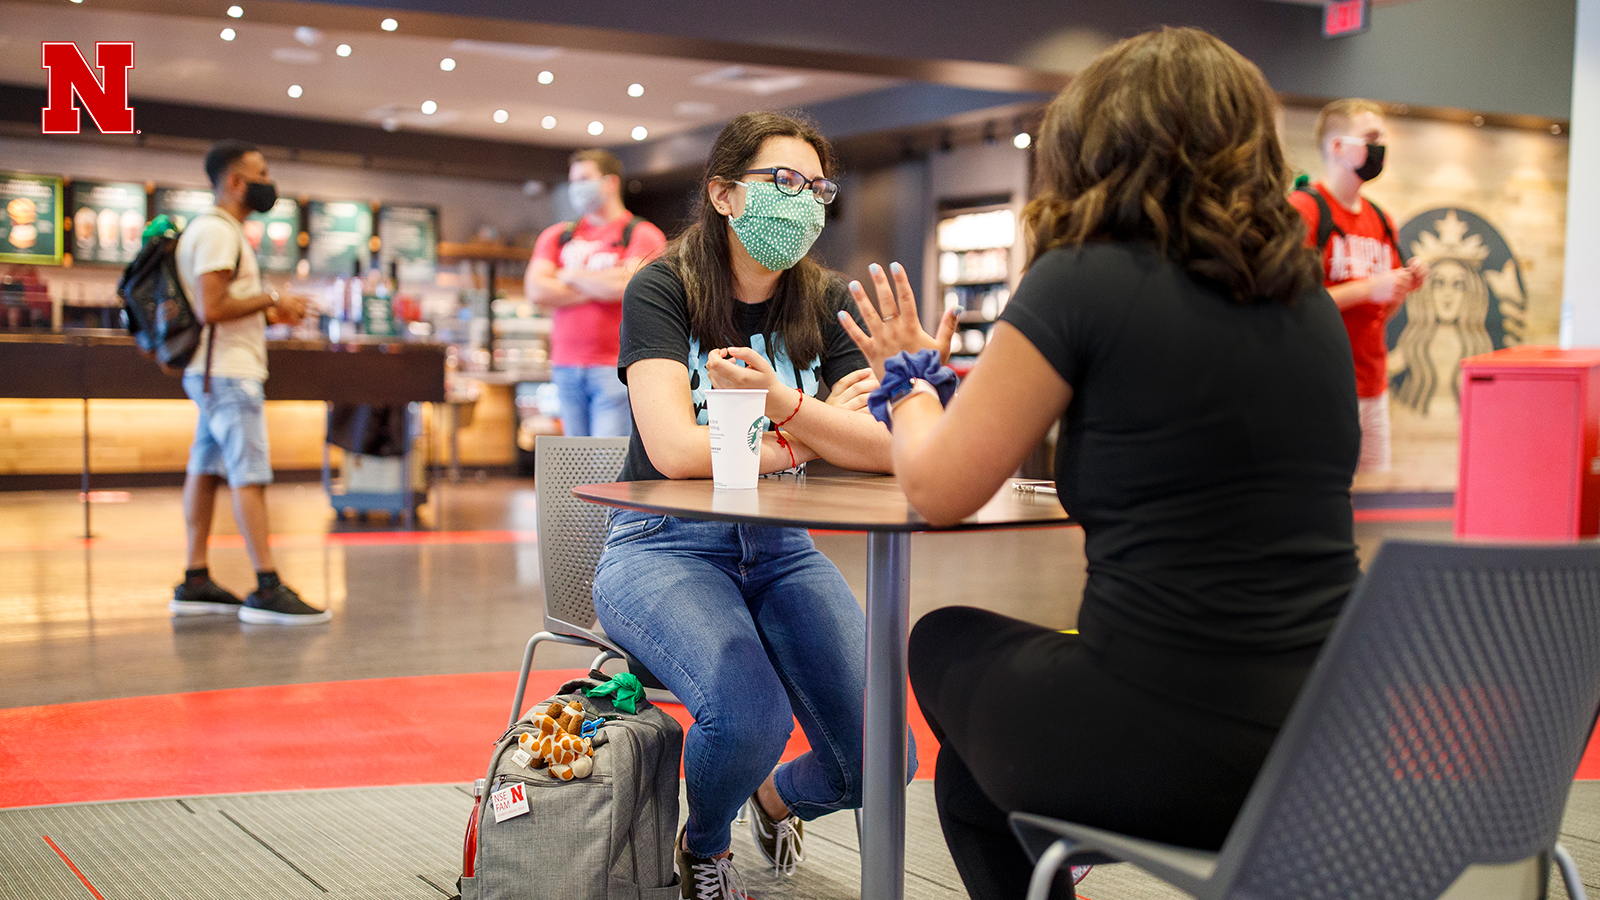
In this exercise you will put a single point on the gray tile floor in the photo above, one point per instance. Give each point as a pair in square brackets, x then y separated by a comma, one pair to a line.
[82, 622]
[404, 842]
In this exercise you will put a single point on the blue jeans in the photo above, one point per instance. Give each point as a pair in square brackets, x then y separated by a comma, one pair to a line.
[752, 628]
[594, 401]
[230, 438]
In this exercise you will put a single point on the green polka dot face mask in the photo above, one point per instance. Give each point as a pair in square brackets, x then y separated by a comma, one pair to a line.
[775, 228]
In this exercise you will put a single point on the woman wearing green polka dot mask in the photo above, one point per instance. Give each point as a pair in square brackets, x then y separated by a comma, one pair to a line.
[734, 302]
[782, 214]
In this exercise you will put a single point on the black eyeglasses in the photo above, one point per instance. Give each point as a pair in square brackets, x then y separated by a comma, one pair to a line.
[792, 183]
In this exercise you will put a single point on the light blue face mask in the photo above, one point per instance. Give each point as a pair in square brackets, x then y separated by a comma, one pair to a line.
[775, 228]
[585, 196]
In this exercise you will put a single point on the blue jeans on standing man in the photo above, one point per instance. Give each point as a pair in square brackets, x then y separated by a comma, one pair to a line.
[752, 628]
[594, 401]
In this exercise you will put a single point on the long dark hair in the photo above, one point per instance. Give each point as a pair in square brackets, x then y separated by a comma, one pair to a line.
[1168, 139]
[701, 256]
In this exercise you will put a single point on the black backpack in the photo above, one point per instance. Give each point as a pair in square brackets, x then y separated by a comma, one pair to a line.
[627, 232]
[160, 317]
[1326, 226]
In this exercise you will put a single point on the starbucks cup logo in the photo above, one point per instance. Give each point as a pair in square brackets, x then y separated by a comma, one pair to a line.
[736, 419]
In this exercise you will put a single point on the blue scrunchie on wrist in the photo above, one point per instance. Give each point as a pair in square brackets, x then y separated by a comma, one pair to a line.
[898, 370]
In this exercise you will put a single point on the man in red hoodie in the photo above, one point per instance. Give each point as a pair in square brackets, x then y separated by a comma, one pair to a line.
[1361, 257]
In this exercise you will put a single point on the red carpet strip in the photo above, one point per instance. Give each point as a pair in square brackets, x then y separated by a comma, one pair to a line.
[430, 729]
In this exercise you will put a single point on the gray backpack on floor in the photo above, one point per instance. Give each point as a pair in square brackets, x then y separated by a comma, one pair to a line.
[608, 836]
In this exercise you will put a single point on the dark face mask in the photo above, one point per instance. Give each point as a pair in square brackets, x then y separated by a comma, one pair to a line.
[1373, 167]
[261, 195]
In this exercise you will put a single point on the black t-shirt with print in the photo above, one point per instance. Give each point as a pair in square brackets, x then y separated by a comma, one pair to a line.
[655, 325]
[1207, 451]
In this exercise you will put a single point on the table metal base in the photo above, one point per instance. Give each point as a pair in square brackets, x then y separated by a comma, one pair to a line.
[883, 850]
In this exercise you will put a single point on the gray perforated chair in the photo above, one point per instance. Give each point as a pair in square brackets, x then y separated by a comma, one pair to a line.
[571, 535]
[1432, 748]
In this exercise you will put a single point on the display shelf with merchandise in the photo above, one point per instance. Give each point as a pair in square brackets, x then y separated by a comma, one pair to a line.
[975, 241]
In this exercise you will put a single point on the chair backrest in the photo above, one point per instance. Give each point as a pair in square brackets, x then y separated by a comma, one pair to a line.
[1441, 727]
[572, 532]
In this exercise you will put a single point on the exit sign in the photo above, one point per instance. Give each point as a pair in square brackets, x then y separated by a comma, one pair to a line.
[1345, 17]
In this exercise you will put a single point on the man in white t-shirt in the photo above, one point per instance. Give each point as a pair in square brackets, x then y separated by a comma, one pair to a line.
[226, 381]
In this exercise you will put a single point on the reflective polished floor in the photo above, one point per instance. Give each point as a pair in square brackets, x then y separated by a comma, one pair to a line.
[86, 620]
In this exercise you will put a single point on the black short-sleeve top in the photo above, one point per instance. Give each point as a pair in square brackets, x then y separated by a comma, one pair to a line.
[655, 325]
[1207, 451]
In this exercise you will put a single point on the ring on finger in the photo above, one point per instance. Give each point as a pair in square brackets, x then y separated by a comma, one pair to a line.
[891, 318]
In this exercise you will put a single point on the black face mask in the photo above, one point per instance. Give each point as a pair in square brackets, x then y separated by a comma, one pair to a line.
[1373, 167]
[261, 195]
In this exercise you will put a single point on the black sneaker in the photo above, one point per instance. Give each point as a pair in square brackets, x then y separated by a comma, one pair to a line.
[202, 598]
[280, 606]
[780, 841]
[706, 879]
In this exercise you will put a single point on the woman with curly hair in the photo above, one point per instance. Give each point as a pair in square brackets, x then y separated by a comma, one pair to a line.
[1173, 322]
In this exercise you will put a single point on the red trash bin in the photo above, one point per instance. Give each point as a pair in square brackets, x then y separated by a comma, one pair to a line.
[1530, 419]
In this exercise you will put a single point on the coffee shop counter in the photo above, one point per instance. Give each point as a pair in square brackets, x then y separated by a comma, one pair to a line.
[55, 385]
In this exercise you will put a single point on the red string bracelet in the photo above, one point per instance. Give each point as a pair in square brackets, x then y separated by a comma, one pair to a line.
[785, 445]
[797, 406]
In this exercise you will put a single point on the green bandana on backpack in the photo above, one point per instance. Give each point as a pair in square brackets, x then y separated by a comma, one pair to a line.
[775, 228]
[626, 691]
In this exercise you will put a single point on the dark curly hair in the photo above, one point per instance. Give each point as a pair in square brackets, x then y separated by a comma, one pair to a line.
[1168, 138]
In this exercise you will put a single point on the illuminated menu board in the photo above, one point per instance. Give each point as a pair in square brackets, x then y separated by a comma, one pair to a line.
[31, 229]
[108, 219]
[181, 205]
[273, 235]
[340, 231]
[409, 235]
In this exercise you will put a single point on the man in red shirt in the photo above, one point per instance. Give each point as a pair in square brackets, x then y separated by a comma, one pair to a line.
[1361, 259]
[577, 274]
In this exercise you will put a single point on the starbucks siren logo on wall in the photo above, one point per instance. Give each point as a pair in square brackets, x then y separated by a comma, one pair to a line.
[1473, 301]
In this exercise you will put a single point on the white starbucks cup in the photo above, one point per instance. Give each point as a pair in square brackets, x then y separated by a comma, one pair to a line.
[737, 419]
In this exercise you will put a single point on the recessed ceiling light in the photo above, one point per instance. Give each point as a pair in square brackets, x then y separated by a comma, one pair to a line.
[595, 127]
[500, 116]
[77, 1]
[548, 122]
[1022, 140]
[295, 91]
[429, 107]
[546, 77]
[235, 11]
[640, 132]
[389, 25]
[342, 49]
[636, 90]
[447, 64]
[228, 34]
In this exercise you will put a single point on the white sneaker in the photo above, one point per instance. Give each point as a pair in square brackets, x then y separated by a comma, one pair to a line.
[780, 841]
[706, 879]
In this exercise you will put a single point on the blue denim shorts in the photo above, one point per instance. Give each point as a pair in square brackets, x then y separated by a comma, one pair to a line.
[230, 440]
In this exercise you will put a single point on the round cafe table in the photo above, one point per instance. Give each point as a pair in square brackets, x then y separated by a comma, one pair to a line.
[876, 505]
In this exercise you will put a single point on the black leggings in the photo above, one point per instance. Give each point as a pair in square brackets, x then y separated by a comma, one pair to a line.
[1030, 719]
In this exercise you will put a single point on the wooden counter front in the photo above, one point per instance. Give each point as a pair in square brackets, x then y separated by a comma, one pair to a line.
[140, 421]
[107, 365]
